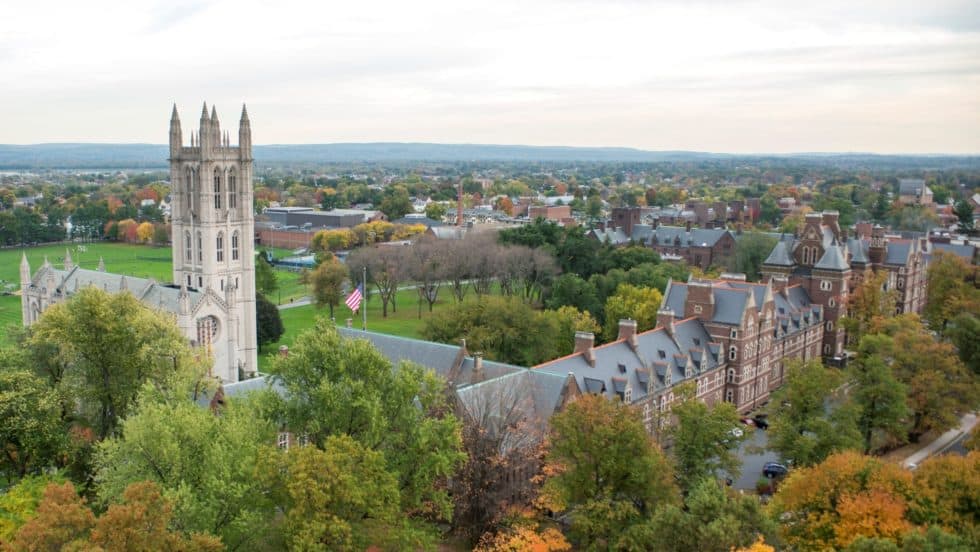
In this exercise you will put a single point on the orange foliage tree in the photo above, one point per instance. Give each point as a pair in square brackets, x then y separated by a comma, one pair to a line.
[845, 497]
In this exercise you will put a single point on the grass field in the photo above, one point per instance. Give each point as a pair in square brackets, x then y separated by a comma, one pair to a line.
[142, 261]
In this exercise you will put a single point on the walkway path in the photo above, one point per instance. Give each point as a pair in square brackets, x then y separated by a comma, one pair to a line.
[966, 425]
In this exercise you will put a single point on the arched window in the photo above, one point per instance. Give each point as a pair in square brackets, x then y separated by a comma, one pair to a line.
[232, 189]
[731, 375]
[200, 248]
[732, 353]
[220, 247]
[234, 245]
[188, 247]
[217, 188]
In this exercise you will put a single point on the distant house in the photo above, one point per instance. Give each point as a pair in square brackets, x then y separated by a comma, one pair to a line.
[913, 191]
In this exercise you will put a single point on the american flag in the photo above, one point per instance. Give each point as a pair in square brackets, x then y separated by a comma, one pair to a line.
[354, 299]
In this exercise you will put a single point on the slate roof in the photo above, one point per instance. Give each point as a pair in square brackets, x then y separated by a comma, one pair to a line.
[911, 186]
[440, 357]
[858, 250]
[615, 237]
[962, 250]
[149, 291]
[779, 256]
[833, 258]
[898, 252]
[242, 388]
[682, 237]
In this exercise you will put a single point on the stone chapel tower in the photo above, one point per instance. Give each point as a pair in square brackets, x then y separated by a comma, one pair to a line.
[213, 241]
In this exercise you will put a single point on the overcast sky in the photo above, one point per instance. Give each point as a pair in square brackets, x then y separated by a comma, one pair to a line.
[886, 76]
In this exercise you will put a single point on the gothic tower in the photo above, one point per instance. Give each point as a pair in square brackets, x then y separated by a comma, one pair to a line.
[213, 240]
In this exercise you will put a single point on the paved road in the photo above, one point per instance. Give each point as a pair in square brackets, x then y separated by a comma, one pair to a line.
[752, 462]
[956, 447]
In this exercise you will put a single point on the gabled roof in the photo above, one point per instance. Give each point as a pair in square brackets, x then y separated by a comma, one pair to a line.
[730, 305]
[911, 186]
[898, 252]
[833, 259]
[965, 251]
[149, 291]
[682, 237]
[858, 250]
[779, 256]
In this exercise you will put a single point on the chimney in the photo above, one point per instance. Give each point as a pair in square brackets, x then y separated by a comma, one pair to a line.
[700, 297]
[477, 376]
[585, 343]
[862, 230]
[627, 332]
[779, 283]
[665, 320]
[283, 351]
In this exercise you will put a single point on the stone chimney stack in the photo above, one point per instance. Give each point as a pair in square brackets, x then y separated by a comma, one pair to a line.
[665, 320]
[477, 376]
[862, 230]
[879, 245]
[585, 344]
[700, 300]
[779, 283]
[627, 332]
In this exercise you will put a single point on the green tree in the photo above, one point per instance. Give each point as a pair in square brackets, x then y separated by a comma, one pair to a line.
[266, 281]
[99, 349]
[336, 386]
[18, 504]
[751, 249]
[268, 323]
[435, 211]
[396, 203]
[950, 290]
[327, 281]
[604, 470]
[571, 290]
[964, 332]
[205, 462]
[635, 303]
[32, 433]
[339, 498]
[868, 306]
[704, 442]
[803, 426]
[712, 518]
[879, 395]
[964, 214]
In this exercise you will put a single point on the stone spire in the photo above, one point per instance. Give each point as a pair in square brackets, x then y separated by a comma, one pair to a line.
[101, 267]
[25, 270]
[176, 139]
[68, 262]
[245, 135]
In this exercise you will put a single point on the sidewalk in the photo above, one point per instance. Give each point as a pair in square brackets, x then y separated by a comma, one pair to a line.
[966, 424]
[302, 301]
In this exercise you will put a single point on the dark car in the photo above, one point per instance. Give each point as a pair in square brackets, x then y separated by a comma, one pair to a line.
[761, 422]
[773, 470]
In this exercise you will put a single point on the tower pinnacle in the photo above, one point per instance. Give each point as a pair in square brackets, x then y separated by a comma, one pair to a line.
[204, 111]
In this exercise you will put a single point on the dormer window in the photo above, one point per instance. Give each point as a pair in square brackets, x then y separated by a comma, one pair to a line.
[628, 395]
[734, 334]
[622, 368]
[697, 341]
[697, 309]
[661, 353]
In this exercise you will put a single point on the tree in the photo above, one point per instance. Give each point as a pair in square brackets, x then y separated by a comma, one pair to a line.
[847, 496]
[803, 426]
[332, 240]
[99, 349]
[569, 321]
[634, 303]
[328, 283]
[18, 504]
[879, 396]
[751, 249]
[435, 211]
[396, 203]
[62, 520]
[950, 290]
[204, 461]
[342, 497]
[571, 290]
[712, 518]
[522, 532]
[703, 440]
[868, 305]
[145, 232]
[604, 469]
[947, 494]
[385, 269]
[426, 266]
[266, 282]
[335, 386]
[964, 332]
[32, 433]
[964, 214]
[268, 323]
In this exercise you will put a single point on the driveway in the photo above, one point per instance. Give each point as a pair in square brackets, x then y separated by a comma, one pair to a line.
[752, 462]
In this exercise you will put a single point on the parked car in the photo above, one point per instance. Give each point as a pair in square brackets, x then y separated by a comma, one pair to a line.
[773, 470]
[761, 422]
[748, 421]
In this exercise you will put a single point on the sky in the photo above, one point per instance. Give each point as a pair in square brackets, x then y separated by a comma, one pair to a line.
[886, 76]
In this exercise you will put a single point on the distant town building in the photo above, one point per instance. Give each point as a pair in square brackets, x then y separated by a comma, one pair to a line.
[913, 191]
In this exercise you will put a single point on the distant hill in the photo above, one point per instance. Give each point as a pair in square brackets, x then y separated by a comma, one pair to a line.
[154, 156]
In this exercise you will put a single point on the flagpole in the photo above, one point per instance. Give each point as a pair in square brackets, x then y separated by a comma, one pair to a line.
[364, 299]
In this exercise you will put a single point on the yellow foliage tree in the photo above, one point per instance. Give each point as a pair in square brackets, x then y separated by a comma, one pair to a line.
[145, 232]
[758, 546]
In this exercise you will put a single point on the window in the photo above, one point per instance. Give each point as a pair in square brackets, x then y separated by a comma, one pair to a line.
[628, 395]
[188, 247]
[200, 248]
[732, 353]
[232, 190]
[283, 440]
[826, 349]
[200, 281]
[825, 285]
[234, 246]
[220, 247]
[217, 189]
[697, 309]
[830, 326]
[729, 395]
[731, 375]
[831, 302]
[189, 284]
[734, 334]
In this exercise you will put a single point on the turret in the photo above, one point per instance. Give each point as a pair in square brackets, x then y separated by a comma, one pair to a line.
[204, 134]
[879, 245]
[25, 270]
[176, 140]
[215, 127]
[245, 135]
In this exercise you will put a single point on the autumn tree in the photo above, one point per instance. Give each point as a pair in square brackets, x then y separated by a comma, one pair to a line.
[337, 386]
[522, 531]
[632, 302]
[145, 232]
[868, 305]
[332, 240]
[950, 290]
[845, 497]
[62, 520]
[704, 442]
[101, 348]
[604, 470]
[804, 426]
[947, 494]
[18, 504]
[327, 281]
[385, 270]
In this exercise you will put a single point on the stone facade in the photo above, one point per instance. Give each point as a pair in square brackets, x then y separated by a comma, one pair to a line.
[213, 295]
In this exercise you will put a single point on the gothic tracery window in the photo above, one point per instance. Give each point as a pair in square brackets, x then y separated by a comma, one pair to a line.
[232, 190]
[220, 247]
[234, 246]
[188, 247]
[217, 189]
